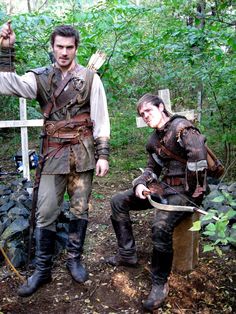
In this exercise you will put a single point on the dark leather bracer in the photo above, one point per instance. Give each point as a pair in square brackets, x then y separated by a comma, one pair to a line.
[145, 178]
[196, 183]
[102, 148]
[7, 58]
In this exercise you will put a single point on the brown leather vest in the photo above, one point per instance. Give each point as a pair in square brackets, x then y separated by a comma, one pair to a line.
[74, 99]
[167, 137]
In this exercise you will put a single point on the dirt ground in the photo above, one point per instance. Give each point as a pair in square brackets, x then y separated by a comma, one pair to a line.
[209, 288]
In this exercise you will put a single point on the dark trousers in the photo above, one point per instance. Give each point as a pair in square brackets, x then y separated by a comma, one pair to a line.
[164, 222]
[163, 226]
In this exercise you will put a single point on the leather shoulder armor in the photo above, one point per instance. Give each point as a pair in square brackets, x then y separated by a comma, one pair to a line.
[42, 70]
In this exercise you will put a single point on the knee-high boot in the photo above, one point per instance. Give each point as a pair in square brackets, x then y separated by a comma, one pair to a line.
[77, 232]
[127, 251]
[161, 268]
[45, 244]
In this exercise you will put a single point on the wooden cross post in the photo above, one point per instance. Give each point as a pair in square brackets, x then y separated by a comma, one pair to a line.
[23, 123]
[185, 242]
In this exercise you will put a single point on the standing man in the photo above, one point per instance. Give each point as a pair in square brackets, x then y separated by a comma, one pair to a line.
[177, 155]
[76, 134]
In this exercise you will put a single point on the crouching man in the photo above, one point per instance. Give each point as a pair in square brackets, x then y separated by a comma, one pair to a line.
[177, 154]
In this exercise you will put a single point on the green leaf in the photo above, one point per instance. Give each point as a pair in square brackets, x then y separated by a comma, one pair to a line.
[208, 248]
[98, 195]
[218, 199]
[209, 233]
[218, 250]
[209, 216]
[196, 226]
[211, 227]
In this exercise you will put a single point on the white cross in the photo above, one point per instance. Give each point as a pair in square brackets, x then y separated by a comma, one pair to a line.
[23, 123]
[164, 94]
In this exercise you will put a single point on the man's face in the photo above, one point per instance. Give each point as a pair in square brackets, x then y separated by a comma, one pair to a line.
[64, 50]
[152, 115]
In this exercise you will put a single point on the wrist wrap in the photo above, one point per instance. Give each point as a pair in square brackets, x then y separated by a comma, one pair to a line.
[102, 147]
[7, 58]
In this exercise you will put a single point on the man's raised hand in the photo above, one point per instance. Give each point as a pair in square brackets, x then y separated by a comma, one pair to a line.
[7, 36]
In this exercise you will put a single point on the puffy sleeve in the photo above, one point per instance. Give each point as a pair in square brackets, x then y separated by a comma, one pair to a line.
[99, 114]
[99, 111]
[21, 86]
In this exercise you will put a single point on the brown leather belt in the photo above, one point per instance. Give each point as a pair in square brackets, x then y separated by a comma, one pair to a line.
[75, 127]
[174, 181]
[67, 133]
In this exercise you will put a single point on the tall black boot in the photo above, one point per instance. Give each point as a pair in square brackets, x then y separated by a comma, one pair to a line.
[161, 268]
[45, 244]
[77, 232]
[127, 251]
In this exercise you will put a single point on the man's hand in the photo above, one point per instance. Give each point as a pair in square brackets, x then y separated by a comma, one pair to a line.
[140, 188]
[102, 167]
[7, 35]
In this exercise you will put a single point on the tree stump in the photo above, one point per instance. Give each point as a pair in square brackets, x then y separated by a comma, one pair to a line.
[186, 245]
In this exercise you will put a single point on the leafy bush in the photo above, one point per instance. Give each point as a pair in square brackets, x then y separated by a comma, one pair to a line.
[218, 225]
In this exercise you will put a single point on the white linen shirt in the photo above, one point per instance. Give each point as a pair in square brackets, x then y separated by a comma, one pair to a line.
[26, 86]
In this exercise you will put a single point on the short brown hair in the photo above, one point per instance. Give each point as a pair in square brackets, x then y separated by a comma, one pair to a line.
[65, 31]
[153, 100]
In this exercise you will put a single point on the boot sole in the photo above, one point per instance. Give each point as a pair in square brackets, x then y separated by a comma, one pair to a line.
[120, 263]
[25, 295]
[157, 306]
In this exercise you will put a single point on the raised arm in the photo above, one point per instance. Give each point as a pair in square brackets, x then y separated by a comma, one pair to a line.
[11, 83]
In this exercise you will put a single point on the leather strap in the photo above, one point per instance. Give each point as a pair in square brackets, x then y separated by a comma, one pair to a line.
[49, 106]
[170, 154]
[66, 133]
[174, 181]
[70, 125]
[62, 85]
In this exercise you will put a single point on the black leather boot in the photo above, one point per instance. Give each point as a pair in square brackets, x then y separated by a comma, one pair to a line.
[127, 251]
[45, 244]
[161, 268]
[77, 232]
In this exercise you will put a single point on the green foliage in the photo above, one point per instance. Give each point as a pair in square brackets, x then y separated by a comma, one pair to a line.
[156, 45]
[218, 230]
[98, 196]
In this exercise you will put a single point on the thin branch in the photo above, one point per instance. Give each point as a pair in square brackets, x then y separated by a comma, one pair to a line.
[45, 2]
[11, 265]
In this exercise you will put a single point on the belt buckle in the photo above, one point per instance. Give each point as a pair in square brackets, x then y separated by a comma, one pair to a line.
[50, 128]
[79, 132]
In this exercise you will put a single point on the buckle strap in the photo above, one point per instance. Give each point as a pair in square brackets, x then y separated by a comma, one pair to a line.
[67, 133]
[68, 126]
[174, 181]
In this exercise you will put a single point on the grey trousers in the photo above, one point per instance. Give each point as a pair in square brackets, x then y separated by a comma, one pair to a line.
[51, 193]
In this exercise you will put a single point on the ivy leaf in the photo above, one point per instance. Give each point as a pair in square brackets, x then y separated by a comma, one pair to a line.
[234, 226]
[218, 250]
[218, 199]
[208, 248]
[211, 227]
[209, 216]
[196, 226]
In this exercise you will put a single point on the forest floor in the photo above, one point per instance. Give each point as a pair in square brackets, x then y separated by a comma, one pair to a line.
[209, 288]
